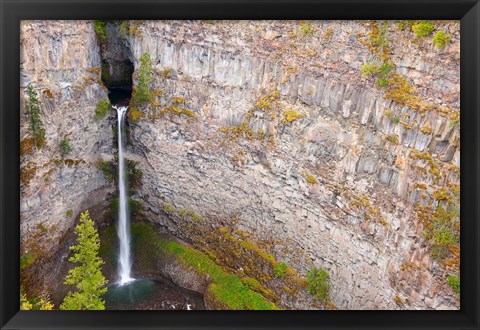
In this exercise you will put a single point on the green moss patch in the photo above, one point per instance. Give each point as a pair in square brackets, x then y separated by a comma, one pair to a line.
[227, 289]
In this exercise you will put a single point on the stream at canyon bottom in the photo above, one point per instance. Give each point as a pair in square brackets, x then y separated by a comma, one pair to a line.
[158, 294]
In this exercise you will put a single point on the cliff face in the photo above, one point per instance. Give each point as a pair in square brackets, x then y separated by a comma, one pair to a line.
[61, 59]
[319, 169]
[264, 132]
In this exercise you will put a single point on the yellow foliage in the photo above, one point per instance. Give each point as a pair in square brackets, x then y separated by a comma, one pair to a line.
[291, 115]
[392, 138]
[402, 92]
[441, 194]
[310, 178]
[178, 100]
[328, 33]
[422, 186]
[134, 115]
[426, 129]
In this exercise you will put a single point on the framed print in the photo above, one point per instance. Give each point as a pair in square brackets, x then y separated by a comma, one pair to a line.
[307, 164]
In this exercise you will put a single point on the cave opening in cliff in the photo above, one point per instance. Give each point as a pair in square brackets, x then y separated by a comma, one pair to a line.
[117, 66]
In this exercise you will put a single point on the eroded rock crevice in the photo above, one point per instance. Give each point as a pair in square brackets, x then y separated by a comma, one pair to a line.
[117, 66]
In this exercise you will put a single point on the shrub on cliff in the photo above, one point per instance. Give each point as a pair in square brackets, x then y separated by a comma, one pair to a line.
[370, 69]
[102, 108]
[65, 147]
[141, 93]
[454, 282]
[33, 111]
[423, 28]
[441, 39]
[379, 71]
[134, 115]
[280, 270]
[87, 276]
[100, 30]
[36, 303]
[318, 284]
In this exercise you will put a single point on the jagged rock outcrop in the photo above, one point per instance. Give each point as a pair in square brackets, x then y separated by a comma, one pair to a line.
[339, 185]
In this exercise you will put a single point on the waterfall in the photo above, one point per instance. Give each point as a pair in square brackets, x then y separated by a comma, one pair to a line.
[123, 229]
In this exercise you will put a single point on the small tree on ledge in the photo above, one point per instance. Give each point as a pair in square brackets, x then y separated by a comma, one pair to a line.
[34, 112]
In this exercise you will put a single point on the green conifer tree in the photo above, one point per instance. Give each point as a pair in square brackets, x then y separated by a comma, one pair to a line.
[34, 111]
[87, 276]
[142, 91]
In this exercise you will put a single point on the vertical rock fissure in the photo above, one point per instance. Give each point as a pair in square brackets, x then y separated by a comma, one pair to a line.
[117, 68]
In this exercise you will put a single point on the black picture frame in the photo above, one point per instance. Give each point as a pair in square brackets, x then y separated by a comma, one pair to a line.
[12, 11]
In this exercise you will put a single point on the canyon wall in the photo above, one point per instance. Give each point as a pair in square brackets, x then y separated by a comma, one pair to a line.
[336, 187]
[263, 128]
[61, 61]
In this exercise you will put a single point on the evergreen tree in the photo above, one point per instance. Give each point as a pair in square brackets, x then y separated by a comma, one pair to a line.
[142, 91]
[33, 110]
[87, 276]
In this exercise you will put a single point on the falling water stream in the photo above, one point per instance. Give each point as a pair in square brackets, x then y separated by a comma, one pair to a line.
[124, 260]
[128, 292]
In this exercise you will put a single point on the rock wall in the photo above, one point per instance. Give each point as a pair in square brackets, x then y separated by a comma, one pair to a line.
[61, 60]
[265, 127]
[337, 187]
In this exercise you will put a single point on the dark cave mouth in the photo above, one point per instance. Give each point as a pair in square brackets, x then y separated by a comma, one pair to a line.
[117, 64]
[119, 95]
[117, 77]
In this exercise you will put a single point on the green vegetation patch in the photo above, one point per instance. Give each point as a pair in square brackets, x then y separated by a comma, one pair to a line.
[443, 228]
[423, 28]
[378, 71]
[34, 112]
[34, 303]
[27, 260]
[134, 115]
[141, 93]
[87, 277]
[227, 288]
[134, 174]
[441, 39]
[65, 146]
[100, 30]
[454, 282]
[108, 169]
[190, 213]
[167, 207]
[307, 28]
[124, 27]
[280, 270]
[102, 108]
[318, 284]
